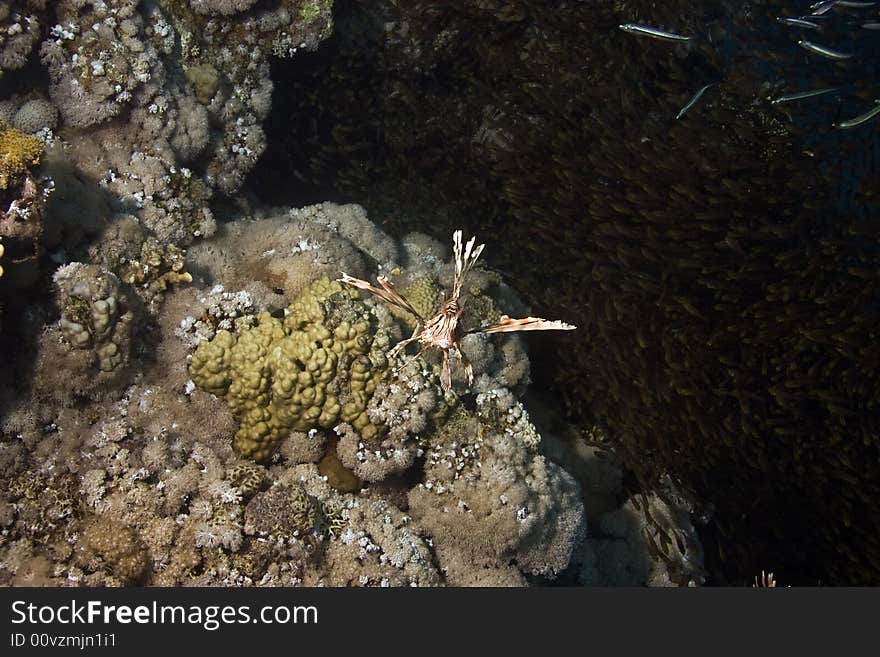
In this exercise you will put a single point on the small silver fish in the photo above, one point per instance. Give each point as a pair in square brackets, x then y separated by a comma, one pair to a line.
[693, 101]
[823, 50]
[799, 22]
[802, 94]
[820, 8]
[861, 118]
[653, 32]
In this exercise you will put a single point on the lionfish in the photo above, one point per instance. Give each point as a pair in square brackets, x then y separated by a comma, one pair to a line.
[442, 330]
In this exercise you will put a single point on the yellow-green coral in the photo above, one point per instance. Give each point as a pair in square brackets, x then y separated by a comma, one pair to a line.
[159, 265]
[205, 80]
[425, 295]
[315, 368]
[481, 305]
[312, 10]
[18, 152]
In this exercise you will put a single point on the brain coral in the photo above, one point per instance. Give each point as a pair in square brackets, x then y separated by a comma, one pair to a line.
[315, 368]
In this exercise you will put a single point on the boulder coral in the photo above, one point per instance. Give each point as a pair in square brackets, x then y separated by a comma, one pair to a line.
[88, 350]
[491, 499]
[316, 367]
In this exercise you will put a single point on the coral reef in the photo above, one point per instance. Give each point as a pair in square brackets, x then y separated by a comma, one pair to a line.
[200, 402]
[372, 475]
[159, 102]
[722, 263]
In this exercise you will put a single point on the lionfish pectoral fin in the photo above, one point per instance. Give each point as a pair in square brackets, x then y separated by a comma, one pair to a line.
[387, 292]
[508, 325]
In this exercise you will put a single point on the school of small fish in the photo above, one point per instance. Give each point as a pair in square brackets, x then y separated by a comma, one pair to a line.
[814, 21]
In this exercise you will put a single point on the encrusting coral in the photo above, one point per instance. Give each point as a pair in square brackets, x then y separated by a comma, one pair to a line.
[279, 510]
